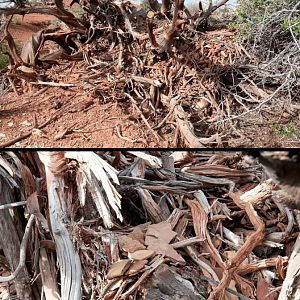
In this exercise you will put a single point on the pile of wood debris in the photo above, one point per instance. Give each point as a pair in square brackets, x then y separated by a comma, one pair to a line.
[176, 76]
[145, 225]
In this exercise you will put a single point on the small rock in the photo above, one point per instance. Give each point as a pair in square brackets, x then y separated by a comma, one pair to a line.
[166, 284]
[25, 123]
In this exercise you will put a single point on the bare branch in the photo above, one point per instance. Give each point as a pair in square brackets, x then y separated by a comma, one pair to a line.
[59, 12]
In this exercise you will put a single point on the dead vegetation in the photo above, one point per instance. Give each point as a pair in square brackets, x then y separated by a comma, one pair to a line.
[201, 86]
[148, 225]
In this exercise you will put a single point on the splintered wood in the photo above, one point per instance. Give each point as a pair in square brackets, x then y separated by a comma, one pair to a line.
[190, 225]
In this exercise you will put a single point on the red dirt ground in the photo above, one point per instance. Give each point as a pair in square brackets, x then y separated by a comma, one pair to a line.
[22, 27]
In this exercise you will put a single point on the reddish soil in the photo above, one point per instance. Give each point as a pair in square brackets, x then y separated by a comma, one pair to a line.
[93, 126]
[22, 27]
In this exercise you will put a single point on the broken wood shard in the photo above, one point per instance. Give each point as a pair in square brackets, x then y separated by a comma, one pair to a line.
[141, 254]
[161, 231]
[118, 268]
[128, 244]
[136, 266]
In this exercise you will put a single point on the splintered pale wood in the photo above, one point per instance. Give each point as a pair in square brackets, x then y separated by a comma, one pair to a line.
[185, 127]
[29, 183]
[68, 258]
[110, 246]
[182, 157]
[150, 160]
[290, 288]
[260, 193]
[175, 216]
[48, 278]
[150, 205]
[138, 168]
[95, 174]
[218, 170]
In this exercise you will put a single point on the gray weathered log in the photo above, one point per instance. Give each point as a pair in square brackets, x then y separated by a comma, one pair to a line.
[69, 262]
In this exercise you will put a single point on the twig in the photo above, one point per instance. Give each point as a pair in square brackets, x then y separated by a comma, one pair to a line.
[123, 137]
[270, 97]
[41, 91]
[135, 34]
[155, 82]
[13, 86]
[176, 101]
[58, 11]
[23, 247]
[185, 127]
[290, 27]
[253, 240]
[53, 84]
[143, 118]
[194, 254]
[10, 205]
[186, 242]
[215, 282]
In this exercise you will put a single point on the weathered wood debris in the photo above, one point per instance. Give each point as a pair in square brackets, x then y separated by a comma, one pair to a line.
[147, 225]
